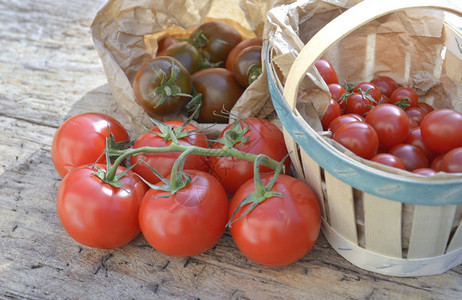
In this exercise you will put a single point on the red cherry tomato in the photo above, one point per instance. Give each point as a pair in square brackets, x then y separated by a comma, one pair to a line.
[358, 137]
[263, 137]
[81, 140]
[404, 97]
[424, 171]
[391, 124]
[452, 161]
[387, 85]
[279, 230]
[416, 114]
[189, 222]
[97, 214]
[369, 91]
[336, 90]
[442, 130]
[411, 156]
[333, 111]
[425, 107]
[358, 104]
[343, 119]
[163, 162]
[388, 160]
[327, 71]
[415, 138]
[436, 163]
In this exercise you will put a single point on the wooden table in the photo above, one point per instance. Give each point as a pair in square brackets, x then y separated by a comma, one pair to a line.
[49, 71]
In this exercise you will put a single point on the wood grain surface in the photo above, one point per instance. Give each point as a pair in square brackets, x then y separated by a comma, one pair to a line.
[50, 71]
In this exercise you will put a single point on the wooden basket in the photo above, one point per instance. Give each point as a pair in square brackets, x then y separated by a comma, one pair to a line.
[391, 223]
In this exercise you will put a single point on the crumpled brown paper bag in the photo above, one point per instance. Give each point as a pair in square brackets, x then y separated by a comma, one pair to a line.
[125, 34]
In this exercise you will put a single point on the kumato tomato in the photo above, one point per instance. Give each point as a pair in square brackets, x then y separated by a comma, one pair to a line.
[161, 87]
[97, 214]
[186, 54]
[452, 161]
[279, 230]
[166, 42]
[442, 130]
[327, 71]
[391, 124]
[358, 137]
[247, 66]
[215, 40]
[163, 162]
[81, 140]
[263, 138]
[189, 222]
[220, 92]
[238, 48]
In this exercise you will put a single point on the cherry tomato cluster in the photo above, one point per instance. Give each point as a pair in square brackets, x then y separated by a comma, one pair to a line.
[386, 123]
[214, 62]
[174, 187]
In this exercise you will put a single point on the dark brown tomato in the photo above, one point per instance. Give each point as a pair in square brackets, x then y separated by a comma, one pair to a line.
[215, 39]
[220, 91]
[238, 48]
[186, 54]
[165, 42]
[150, 78]
[247, 66]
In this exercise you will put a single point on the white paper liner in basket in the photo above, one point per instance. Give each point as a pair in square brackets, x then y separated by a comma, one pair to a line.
[427, 27]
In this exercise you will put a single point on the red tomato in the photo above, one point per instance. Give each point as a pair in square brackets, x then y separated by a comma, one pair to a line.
[369, 91]
[263, 137]
[336, 90]
[343, 119]
[425, 107]
[436, 163]
[452, 161]
[327, 71]
[416, 114]
[411, 156]
[238, 48]
[189, 222]
[424, 171]
[279, 230]
[404, 97]
[358, 104]
[163, 162]
[388, 160]
[386, 84]
[358, 137]
[333, 111]
[81, 140]
[391, 124]
[415, 138]
[97, 214]
[442, 130]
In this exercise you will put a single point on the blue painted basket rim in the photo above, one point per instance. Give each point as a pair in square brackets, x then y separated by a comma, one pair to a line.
[364, 178]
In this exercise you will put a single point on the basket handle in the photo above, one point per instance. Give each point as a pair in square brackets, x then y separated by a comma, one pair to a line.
[341, 26]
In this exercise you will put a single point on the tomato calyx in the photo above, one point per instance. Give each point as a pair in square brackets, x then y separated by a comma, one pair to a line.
[403, 103]
[198, 40]
[207, 64]
[168, 88]
[235, 136]
[254, 72]
[261, 193]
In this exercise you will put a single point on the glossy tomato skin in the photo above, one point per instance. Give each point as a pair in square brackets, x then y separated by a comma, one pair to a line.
[81, 140]
[358, 104]
[238, 48]
[248, 58]
[358, 137]
[369, 90]
[333, 111]
[442, 130]
[386, 84]
[452, 161]
[278, 231]
[188, 223]
[166, 42]
[186, 54]
[150, 76]
[343, 119]
[391, 124]
[404, 97]
[327, 71]
[221, 39]
[415, 138]
[163, 162]
[411, 156]
[264, 137]
[388, 160]
[97, 214]
[336, 91]
[219, 90]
